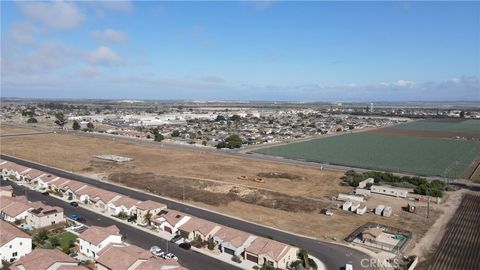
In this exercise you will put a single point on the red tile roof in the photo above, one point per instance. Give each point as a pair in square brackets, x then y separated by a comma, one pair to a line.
[8, 232]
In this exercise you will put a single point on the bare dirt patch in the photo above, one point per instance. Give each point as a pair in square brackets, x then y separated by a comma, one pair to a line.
[211, 180]
[12, 130]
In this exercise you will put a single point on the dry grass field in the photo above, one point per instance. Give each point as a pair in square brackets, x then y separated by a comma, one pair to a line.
[212, 181]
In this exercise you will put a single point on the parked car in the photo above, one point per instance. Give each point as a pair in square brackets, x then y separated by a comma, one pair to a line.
[186, 246]
[132, 218]
[74, 204]
[157, 251]
[170, 256]
[176, 238]
[75, 217]
[348, 267]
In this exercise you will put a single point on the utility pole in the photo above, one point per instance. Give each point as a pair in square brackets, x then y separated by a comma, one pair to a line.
[428, 205]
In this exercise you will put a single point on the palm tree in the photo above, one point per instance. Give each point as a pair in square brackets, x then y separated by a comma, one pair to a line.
[147, 217]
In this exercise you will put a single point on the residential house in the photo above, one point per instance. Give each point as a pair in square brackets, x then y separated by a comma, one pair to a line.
[94, 239]
[30, 174]
[70, 189]
[270, 252]
[97, 197]
[6, 191]
[45, 216]
[148, 207]
[122, 204]
[14, 208]
[14, 243]
[42, 181]
[169, 220]
[233, 241]
[121, 257]
[13, 171]
[155, 263]
[47, 259]
[130, 257]
[197, 227]
[371, 234]
[56, 183]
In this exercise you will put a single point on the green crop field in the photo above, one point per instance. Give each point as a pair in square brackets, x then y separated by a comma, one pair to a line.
[467, 126]
[417, 155]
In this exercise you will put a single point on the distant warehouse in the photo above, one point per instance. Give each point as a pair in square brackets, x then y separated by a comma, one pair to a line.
[391, 191]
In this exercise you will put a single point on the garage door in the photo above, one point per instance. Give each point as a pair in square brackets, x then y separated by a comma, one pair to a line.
[229, 251]
[252, 258]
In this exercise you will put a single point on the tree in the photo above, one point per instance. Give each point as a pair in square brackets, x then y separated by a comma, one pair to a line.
[76, 125]
[90, 126]
[32, 120]
[54, 241]
[41, 236]
[60, 119]
[156, 135]
[235, 117]
[462, 114]
[210, 243]
[220, 118]
[175, 133]
[147, 217]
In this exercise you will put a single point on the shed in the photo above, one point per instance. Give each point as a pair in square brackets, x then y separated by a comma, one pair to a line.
[354, 206]
[379, 209]
[387, 211]
[346, 206]
[361, 210]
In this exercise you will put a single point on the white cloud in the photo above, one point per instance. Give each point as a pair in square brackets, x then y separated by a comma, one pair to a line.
[58, 14]
[88, 72]
[103, 56]
[404, 83]
[109, 36]
[213, 79]
[23, 32]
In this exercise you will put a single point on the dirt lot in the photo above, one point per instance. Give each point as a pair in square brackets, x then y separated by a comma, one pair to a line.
[211, 180]
[10, 130]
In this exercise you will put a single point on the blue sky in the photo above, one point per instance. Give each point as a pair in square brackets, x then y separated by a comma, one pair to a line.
[306, 51]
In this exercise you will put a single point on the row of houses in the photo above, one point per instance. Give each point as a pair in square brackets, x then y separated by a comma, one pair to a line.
[227, 240]
[34, 214]
[111, 252]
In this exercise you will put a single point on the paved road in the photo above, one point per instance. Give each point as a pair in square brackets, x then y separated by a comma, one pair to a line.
[189, 259]
[332, 255]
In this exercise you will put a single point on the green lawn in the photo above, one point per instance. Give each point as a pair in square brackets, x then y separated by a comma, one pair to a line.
[467, 126]
[417, 155]
[65, 239]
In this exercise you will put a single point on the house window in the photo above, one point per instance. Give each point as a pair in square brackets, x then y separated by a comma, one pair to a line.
[14, 254]
[10, 246]
[21, 243]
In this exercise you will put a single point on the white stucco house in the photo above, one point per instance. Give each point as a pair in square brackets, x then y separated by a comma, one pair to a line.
[14, 243]
[122, 204]
[169, 220]
[233, 241]
[94, 239]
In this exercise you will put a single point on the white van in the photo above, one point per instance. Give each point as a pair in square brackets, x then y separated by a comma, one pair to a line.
[348, 266]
